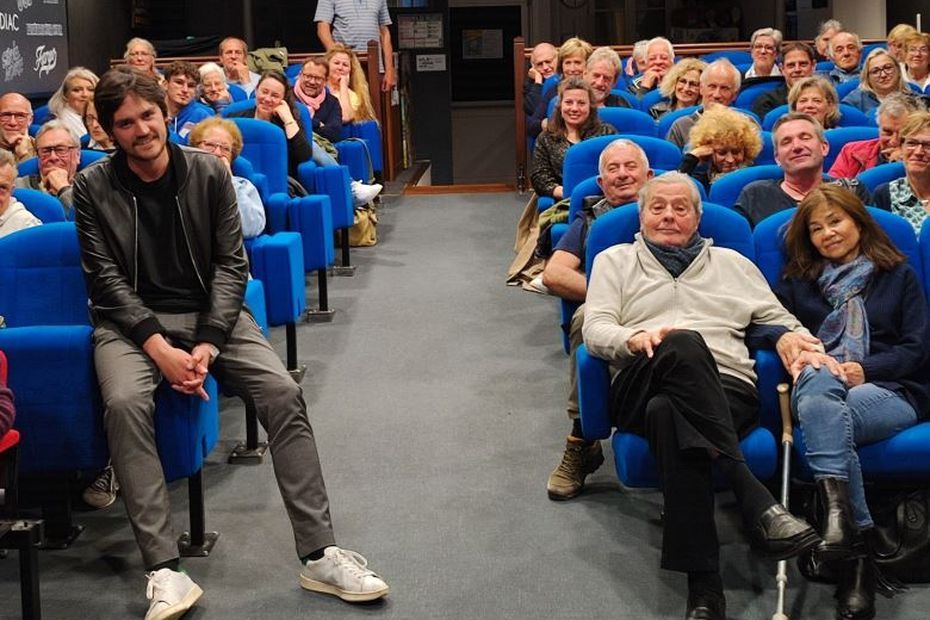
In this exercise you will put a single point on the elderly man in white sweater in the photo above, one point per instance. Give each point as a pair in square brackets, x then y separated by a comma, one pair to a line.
[671, 312]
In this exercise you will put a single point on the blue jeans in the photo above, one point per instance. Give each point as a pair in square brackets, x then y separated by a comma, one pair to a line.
[321, 157]
[835, 419]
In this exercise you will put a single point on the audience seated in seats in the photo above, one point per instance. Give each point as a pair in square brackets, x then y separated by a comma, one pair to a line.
[180, 317]
[348, 84]
[846, 52]
[723, 140]
[542, 65]
[896, 40]
[720, 82]
[909, 196]
[917, 63]
[797, 63]
[184, 111]
[214, 91]
[141, 54]
[574, 120]
[7, 410]
[99, 140]
[221, 137]
[622, 171]
[636, 63]
[881, 76]
[15, 118]
[660, 56]
[573, 57]
[825, 33]
[681, 87]
[13, 215]
[763, 46]
[323, 106]
[816, 97]
[843, 274]
[59, 153]
[601, 72]
[800, 148]
[67, 103]
[861, 155]
[670, 312]
[233, 54]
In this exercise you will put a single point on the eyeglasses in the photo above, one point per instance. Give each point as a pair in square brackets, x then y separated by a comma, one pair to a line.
[877, 71]
[763, 48]
[61, 150]
[313, 78]
[918, 50]
[688, 83]
[138, 53]
[215, 146]
[912, 145]
[17, 116]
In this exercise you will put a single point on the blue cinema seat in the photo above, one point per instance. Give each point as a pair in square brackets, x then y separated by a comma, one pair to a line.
[882, 173]
[634, 461]
[627, 121]
[748, 94]
[726, 189]
[849, 117]
[44, 206]
[839, 137]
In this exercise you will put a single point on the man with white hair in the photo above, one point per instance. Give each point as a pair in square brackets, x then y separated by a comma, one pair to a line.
[670, 312]
[601, 72]
[825, 33]
[845, 51]
[763, 46]
[59, 153]
[622, 170]
[720, 82]
[13, 215]
[542, 65]
[660, 56]
[15, 117]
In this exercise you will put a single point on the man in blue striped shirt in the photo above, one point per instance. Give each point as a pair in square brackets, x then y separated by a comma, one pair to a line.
[354, 23]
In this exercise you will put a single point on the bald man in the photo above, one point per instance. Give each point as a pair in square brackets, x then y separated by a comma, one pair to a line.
[542, 65]
[15, 118]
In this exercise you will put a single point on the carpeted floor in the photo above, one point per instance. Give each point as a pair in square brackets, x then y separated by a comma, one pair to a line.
[437, 398]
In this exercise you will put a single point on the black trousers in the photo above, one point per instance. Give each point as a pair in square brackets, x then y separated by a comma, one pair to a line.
[685, 408]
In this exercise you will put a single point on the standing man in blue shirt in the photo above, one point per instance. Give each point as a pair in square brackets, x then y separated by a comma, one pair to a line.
[354, 23]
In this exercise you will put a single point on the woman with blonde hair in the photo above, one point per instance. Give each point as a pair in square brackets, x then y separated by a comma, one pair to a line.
[916, 63]
[881, 76]
[69, 101]
[681, 87]
[816, 97]
[896, 38]
[140, 54]
[723, 140]
[909, 196]
[348, 84]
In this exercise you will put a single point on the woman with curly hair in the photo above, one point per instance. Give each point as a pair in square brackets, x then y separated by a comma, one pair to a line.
[348, 84]
[575, 119]
[722, 141]
[816, 97]
[681, 87]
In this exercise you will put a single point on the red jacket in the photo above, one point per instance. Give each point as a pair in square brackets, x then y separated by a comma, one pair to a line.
[854, 158]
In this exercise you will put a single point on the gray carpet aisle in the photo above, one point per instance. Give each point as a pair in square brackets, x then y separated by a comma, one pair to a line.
[437, 398]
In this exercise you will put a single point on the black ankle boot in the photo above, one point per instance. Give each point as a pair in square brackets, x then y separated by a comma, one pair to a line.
[838, 530]
[855, 594]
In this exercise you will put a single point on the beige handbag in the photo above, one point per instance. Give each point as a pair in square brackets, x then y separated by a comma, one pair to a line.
[365, 231]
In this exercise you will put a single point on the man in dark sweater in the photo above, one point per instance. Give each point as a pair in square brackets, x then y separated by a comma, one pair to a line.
[797, 63]
[323, 105]
[800, 148]
[542, 65]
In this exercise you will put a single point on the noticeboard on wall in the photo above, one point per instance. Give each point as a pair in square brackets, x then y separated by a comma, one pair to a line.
[33, 45]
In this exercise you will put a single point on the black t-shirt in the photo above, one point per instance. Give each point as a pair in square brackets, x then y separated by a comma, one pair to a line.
[168, 281]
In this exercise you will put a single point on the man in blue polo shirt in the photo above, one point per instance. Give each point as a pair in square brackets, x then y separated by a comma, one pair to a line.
[354, 24]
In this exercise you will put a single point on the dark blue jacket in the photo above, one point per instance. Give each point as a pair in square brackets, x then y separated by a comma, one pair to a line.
[327, 121]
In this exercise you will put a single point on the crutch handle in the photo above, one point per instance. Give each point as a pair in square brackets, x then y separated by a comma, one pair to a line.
[784, 406]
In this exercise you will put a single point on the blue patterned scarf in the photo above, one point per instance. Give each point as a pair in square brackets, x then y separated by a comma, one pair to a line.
[676, 259]
[845, 331]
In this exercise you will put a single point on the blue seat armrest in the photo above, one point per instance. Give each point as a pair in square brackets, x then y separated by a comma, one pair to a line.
[370, 132]
[186, 429]
[311, 216]
[593, 394]
[544, 202]
[278, 261]
[352, 154]
[255, 302]
[558, 230]
[334, 182]
[770, 373]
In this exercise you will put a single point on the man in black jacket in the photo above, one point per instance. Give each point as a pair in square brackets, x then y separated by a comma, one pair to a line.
[161, 248]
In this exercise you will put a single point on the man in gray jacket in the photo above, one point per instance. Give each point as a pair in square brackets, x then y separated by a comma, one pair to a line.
[162, 252]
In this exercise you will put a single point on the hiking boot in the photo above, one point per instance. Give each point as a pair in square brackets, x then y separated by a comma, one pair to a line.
[578, 460]
[171, 594]
[343, 573]
[102, 491]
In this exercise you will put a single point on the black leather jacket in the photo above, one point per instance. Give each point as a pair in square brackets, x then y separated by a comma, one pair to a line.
[105, 212]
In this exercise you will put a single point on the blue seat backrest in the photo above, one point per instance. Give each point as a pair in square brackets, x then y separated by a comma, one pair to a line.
[237, 93]
[849, 117]
[766, 156]
[736, 57]
[748, 95]
[773, 115]
[727, 228]
[844, 88]
[726, 189]
[824, 66]
[627, 121]
[550, 82]
[768, 238]
[264, 145]
[31, 166]
[44, 206]
[628, 97]
[292, 71]
[651, 98]
[665, 123]
[41, 114]
[581, 159]
[588, 187]
[238, 106]
[840, 136]
[41, 281]
[924, 244]
[883, 173]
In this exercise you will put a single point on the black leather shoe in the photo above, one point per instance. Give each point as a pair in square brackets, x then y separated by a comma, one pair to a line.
[838, 531]
[780, 535]
[855, 594]
[707, 606]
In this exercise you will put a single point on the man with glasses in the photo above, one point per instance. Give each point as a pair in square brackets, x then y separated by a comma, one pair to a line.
[845, 50]
[763, 46]
[797, 63]
[59, 152]
[325, 111]
[181, 80]
[13, 215]
[15, 117]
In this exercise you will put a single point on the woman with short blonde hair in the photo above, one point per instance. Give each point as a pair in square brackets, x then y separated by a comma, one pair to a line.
[69, 101]
[816, 97]
[681, 86]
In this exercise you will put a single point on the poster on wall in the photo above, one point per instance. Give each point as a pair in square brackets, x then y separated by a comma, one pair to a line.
[33, 45]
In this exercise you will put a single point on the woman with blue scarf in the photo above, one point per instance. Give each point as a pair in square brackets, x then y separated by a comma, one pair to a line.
[847, 283]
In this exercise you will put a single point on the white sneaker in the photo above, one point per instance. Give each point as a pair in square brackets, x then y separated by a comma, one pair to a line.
[536, 285]
[102, 491]
[343, 573]
[171, 594]
[363, 194]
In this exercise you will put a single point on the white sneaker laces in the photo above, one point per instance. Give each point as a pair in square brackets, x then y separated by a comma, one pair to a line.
[353, 562]
[151, 585]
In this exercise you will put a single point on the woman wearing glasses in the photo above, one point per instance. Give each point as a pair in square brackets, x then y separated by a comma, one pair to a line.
[763, 46]
[917, 63]
[909, 196]
[140, 54]
[681, 87]
[880, 77]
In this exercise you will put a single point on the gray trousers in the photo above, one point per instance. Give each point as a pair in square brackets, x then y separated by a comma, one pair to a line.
[247, 367]
[574, 341]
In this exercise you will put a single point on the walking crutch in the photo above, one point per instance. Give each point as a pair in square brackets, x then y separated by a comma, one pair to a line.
[787, 441]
